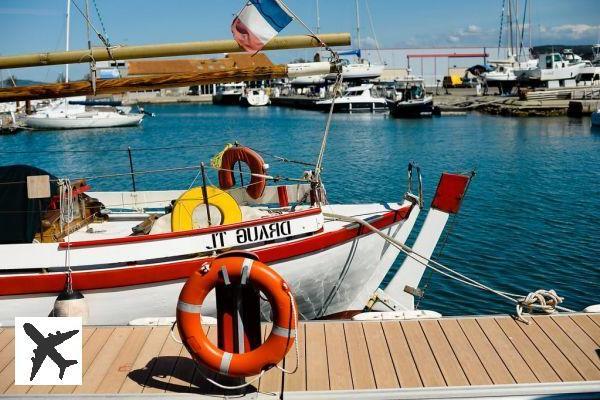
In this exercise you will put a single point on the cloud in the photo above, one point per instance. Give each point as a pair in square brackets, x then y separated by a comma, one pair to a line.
[27, 11]
[569, 31]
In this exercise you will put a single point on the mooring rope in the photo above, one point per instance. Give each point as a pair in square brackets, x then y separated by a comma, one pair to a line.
[542, 300]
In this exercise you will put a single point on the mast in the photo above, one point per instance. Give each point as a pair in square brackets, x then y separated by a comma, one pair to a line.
[510, 27]
[529, 24]
[357, 26]
[318, 18]
[67, 38]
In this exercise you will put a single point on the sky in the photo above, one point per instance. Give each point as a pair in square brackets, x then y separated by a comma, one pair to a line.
[28, 26]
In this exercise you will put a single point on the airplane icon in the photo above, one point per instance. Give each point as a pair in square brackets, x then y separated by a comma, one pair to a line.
[46, 347]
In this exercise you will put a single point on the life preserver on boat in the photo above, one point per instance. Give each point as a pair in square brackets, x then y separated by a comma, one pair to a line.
[263, 278]
[183, 210]
[255, 162]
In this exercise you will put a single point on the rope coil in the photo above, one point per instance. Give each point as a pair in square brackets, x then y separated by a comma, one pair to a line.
[545, 301]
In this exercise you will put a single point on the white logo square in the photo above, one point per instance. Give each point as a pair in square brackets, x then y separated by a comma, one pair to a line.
[48, 351]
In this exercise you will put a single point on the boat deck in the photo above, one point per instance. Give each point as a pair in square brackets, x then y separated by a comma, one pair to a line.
[400, 359]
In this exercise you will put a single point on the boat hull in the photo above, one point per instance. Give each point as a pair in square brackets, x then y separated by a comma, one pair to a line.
[83, 123]
[328, 281]
[254, 101]
[416, 109]
[354, 107]
[227, 99]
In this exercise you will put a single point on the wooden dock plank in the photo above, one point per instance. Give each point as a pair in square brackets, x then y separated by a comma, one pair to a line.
[379, 353]
[7, 366]
[508, 353]
[427, 366]
[485, 351]
[162, 368]
[579, 360]
[271, 380]
[297, 381]
[443, 353]
[7, 354]
[358, 355]
[142, 366]
[468, 359]
[102, 362]
[6, 336]
[347, 355]
[595, 317]
[90, 351]
[588, 326]
[183, 373]
[199, 381]
[123, 363]
[317, 371]
[338, 361]
[579, 337]
[404, 364]
[534, 359]
[551, 353]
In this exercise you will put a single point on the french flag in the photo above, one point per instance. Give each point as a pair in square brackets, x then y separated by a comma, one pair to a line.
[258, 22]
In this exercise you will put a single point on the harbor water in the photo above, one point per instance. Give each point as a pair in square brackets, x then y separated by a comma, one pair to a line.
[530, 219]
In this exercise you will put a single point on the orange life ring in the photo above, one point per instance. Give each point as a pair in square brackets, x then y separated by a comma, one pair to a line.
[254, 161]
[203, 350]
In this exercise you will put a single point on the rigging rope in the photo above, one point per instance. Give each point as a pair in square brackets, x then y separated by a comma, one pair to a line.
[545, 301]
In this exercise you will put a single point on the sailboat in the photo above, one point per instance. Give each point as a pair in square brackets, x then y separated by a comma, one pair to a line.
[61, 114]
[358, 70]
[507, 72]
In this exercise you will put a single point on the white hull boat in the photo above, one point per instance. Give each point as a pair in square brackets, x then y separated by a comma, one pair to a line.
[255, 98]
[83, 120]
[333, 266]
[61, 114]
[356, 99]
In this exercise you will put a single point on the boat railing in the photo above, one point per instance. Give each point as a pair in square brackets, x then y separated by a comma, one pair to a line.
[415, 169]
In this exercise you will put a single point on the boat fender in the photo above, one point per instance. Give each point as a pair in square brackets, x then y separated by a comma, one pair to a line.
[255, 162]
[183, 210]
[71, 304]
[220, 272]
[594, 308]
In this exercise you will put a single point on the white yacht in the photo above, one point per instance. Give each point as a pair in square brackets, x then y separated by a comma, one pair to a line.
[556, 70]
[61, 114]
[254, 97]
[229, 93]
[363, 98]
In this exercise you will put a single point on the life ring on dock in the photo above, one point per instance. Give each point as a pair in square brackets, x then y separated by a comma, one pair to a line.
[255, 162]
[183, 210]
[263, 278]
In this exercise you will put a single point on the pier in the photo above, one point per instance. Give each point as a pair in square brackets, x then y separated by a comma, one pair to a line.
[467, 356]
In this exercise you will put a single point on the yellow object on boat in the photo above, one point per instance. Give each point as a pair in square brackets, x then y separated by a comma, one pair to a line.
[183, 211]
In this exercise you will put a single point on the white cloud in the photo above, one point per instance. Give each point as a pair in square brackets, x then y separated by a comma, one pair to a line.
[572, 31]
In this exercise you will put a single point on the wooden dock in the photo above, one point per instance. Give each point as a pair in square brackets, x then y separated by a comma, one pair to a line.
[400, 359]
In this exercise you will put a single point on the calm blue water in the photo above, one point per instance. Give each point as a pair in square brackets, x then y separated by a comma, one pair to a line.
[529, 221]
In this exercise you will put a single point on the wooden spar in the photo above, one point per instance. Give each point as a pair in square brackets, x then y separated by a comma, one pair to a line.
[165, 50]
[158, 81]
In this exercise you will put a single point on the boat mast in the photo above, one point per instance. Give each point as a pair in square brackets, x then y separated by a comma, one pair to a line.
[357, 26]
[529, 24]
[67, 38]
[318, 18]
[510, 28]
